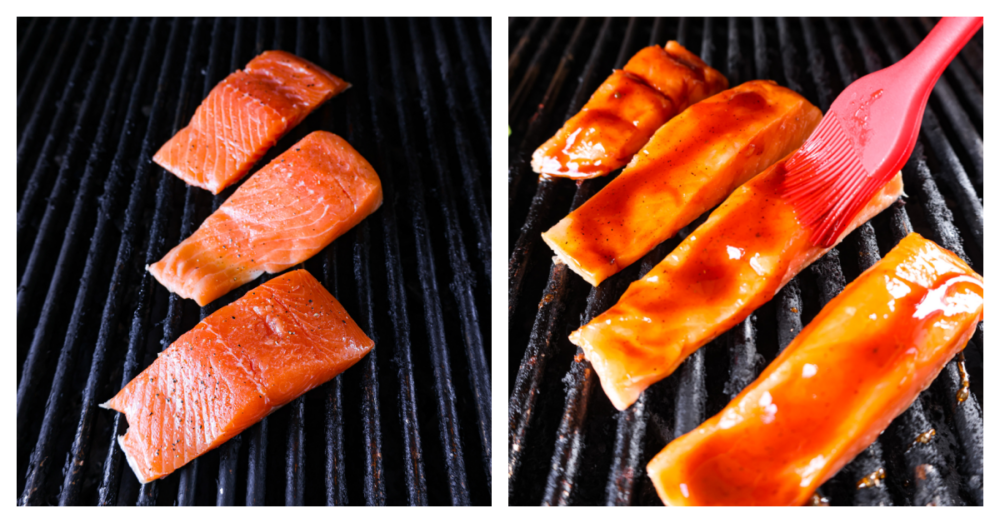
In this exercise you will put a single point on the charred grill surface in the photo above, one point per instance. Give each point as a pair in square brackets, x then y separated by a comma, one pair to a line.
[567, 444]
[96, 99]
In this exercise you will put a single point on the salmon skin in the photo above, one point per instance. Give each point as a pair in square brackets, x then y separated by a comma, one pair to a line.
[655, 85]
[244, 116]
[690, 165]
[284, 214]
[860, 363]
[746, 250]
[238, 365]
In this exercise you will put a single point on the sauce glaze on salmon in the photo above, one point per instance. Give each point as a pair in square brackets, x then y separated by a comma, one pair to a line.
[283, 215]
[690, 165]
[746, 250]
[860, 363]
[238, 365]
[244, 116]
[655, 85]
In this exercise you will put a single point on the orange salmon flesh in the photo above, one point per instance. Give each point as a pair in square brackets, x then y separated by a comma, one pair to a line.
[692, 163]
[238, 365]
[736, 261]
[655, 85]
[244, 116]
[860, 363]
[283, 215]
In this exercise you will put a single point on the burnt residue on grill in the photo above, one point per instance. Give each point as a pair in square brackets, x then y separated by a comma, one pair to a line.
[567, 444]
[96, 98]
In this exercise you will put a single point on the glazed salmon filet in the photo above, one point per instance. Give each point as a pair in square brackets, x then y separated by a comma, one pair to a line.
[860, 363]
[655, 85]
[244, 116]
[690, 165]
[238, 365]
[746, 250]
[283, 215]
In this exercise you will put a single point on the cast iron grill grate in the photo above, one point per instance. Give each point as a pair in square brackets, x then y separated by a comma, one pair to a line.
[567, 444]
[409, 424]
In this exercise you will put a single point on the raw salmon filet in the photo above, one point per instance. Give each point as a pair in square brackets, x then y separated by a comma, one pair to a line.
[244, 116]
[284, 214]
[238, 365]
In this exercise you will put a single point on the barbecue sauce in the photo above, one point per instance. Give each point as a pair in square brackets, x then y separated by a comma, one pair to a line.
[854, 368]
[963, 391]
[690, 165]
[625, 111]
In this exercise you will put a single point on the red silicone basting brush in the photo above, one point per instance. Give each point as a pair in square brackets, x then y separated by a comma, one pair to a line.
[868, 134]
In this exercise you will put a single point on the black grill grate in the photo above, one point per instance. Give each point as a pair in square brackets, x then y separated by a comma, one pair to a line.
[567, 444]
[415, 412]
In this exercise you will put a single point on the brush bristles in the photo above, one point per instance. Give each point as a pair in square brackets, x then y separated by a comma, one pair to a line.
[826, 183]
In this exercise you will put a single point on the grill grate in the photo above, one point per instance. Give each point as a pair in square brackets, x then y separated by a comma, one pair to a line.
[567, 444]
[118, 89]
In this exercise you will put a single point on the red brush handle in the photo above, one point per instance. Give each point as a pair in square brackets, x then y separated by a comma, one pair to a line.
[908, 85]
[926, 63]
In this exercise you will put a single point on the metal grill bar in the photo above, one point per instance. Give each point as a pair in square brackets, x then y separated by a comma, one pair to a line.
[870, 459]
[31, 372]
[40, 455]
[484, 40]
[521, 168]
[631, 428]
[923, 475]
[476, 84]
[472, 189]
[543, 199]
[829, 273]
[920, 473]
[124, 270]
[463, 278]
[433, 314]
[961, 79]
[540, 346]
[388, 423]
[374, 486]
[230, 450]
[27, 144]
[689, 406]
[958, 182]
[108, 491]
[398, 314]
[28, 88]
[961, 125]
[335, 480]
[580, 380]
[26, 50]
[43, 164]
[53, 221]
[967, 416]
[972, 54]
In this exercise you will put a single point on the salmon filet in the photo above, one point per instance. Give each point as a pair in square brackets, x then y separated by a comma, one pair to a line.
[690, 165]
[736, 261]
[860, 363]
[238, 365]
[244, 116]
[283, 215]
[655, 85]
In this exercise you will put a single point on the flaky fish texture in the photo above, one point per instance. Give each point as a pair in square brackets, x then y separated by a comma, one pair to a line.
[244, 116]
[238, 365]
[283, 215]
